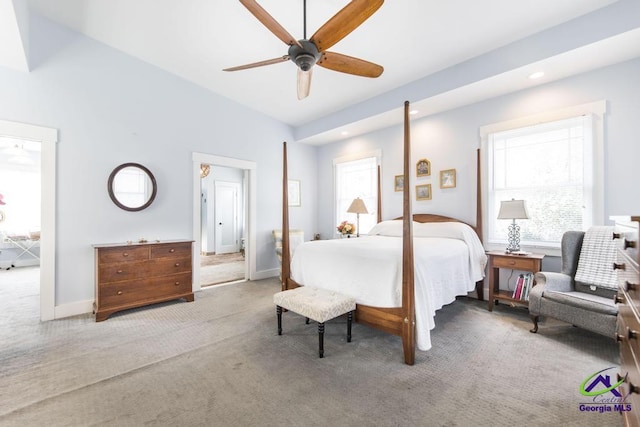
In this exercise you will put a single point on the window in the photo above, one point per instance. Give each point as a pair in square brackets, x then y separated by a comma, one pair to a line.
[552, 166]
[357, 178]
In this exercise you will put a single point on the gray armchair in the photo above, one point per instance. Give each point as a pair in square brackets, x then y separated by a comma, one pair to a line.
[561, 296]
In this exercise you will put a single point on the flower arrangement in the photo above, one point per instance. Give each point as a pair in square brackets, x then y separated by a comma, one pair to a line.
[346, 227]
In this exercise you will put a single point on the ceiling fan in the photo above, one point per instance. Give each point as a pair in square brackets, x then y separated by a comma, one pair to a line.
[305, 53]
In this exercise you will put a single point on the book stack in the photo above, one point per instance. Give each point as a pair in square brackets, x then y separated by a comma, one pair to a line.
[523, 285]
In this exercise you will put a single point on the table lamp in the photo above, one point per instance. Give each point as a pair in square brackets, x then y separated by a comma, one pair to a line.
[357, 207]
[513, 209]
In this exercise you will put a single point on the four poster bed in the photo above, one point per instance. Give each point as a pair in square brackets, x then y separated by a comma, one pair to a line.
[396, 288]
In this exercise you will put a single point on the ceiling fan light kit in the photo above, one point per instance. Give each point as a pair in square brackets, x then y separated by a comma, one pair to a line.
[306, 53]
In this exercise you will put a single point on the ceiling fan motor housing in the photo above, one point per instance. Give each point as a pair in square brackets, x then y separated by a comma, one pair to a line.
[306, 56]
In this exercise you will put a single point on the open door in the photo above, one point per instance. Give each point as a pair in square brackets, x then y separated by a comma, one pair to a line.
[227, 205]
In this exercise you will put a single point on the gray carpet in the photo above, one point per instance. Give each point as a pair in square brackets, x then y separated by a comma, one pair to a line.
[219, 361]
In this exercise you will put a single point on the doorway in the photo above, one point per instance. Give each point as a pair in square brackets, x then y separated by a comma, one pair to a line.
[223, 216]
[46, 138]
[238, 205]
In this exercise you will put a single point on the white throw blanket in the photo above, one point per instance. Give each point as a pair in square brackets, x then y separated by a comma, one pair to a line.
[597, 255]
[448, 259]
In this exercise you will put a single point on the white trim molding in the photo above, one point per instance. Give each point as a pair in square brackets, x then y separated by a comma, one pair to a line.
[250, 169]
[48, 138]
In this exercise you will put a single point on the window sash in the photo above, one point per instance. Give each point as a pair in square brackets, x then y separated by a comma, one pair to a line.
[356, 178]
[549, 165]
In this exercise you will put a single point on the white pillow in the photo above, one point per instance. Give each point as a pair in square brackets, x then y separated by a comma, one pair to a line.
[391, 228]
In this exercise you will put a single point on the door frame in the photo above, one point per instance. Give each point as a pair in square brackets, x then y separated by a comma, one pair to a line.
[47, 137]
[250, 183]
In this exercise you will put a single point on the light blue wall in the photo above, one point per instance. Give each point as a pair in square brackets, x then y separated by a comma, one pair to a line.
[110, 109]
[450, 139]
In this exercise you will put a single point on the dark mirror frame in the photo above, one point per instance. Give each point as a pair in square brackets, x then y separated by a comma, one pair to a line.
[115, 199]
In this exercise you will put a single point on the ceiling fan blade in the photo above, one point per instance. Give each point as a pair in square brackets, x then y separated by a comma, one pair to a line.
[259, 64]
[269, 22]
[304, 83]
[343, 22]
[350, 65]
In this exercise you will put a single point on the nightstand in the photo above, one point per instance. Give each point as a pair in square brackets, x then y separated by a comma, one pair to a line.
[501, 259]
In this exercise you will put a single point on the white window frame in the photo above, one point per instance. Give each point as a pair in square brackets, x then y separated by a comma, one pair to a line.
[594, 178]
[373, 210]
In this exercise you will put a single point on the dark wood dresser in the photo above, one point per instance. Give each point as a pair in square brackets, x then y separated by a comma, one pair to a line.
[137, 274]
[628, 329]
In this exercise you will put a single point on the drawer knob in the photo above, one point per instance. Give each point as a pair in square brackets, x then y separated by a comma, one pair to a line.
[628, 286]
[617, 236]
[125, 254]
[631, 333]
[618, 299]
[620, 338]
[172, 250]
[119, 271]
[119, 292]
[177, 283]
[629, 244]
[177, 264]
[619, 266]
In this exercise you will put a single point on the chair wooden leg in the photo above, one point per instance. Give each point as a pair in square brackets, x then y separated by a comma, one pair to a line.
[279, 313]
[321, 339]
[349, 320]
[534, 319]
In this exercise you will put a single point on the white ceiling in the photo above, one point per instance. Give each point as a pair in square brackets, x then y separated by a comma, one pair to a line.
[410, 38]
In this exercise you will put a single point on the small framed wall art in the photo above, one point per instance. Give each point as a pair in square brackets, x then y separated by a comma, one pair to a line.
[423, 168]
[398, 183]
[423, 192]
[448, 178]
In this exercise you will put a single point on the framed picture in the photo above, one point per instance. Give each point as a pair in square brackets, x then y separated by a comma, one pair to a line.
[423, 168]
[423, 192]
[448, 178]
[294, 192]
[398, 183]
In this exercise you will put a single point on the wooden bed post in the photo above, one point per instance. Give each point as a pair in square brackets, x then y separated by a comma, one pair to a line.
[408, 290]
[286, 254]
[379, 197]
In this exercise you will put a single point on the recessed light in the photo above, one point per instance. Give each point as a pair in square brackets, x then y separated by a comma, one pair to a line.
[344, 133]
[536, 75]
[413, 112]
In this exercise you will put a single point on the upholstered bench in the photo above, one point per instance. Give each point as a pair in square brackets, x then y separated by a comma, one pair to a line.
[317, 304]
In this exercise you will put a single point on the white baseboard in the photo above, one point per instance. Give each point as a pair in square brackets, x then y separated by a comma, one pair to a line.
[266, 274]
[73, 309]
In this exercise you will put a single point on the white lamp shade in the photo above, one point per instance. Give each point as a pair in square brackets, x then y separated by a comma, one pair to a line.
[513, 209]
[357, 207]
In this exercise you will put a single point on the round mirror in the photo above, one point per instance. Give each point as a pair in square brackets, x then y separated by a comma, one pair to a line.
[132, 187]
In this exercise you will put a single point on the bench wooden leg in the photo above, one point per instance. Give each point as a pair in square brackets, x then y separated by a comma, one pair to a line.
[321, 339]
[279, 313]
[349, 320]
[534, 319]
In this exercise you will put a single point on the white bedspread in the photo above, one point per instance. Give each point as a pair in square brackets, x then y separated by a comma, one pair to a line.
[449, 259]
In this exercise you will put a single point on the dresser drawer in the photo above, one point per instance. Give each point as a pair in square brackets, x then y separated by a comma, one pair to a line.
[144, 290]
[121, 271]
[123, 254]
[163, 266]
[179, 250]
[629, 370]
[628, 329]
[514, 263]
